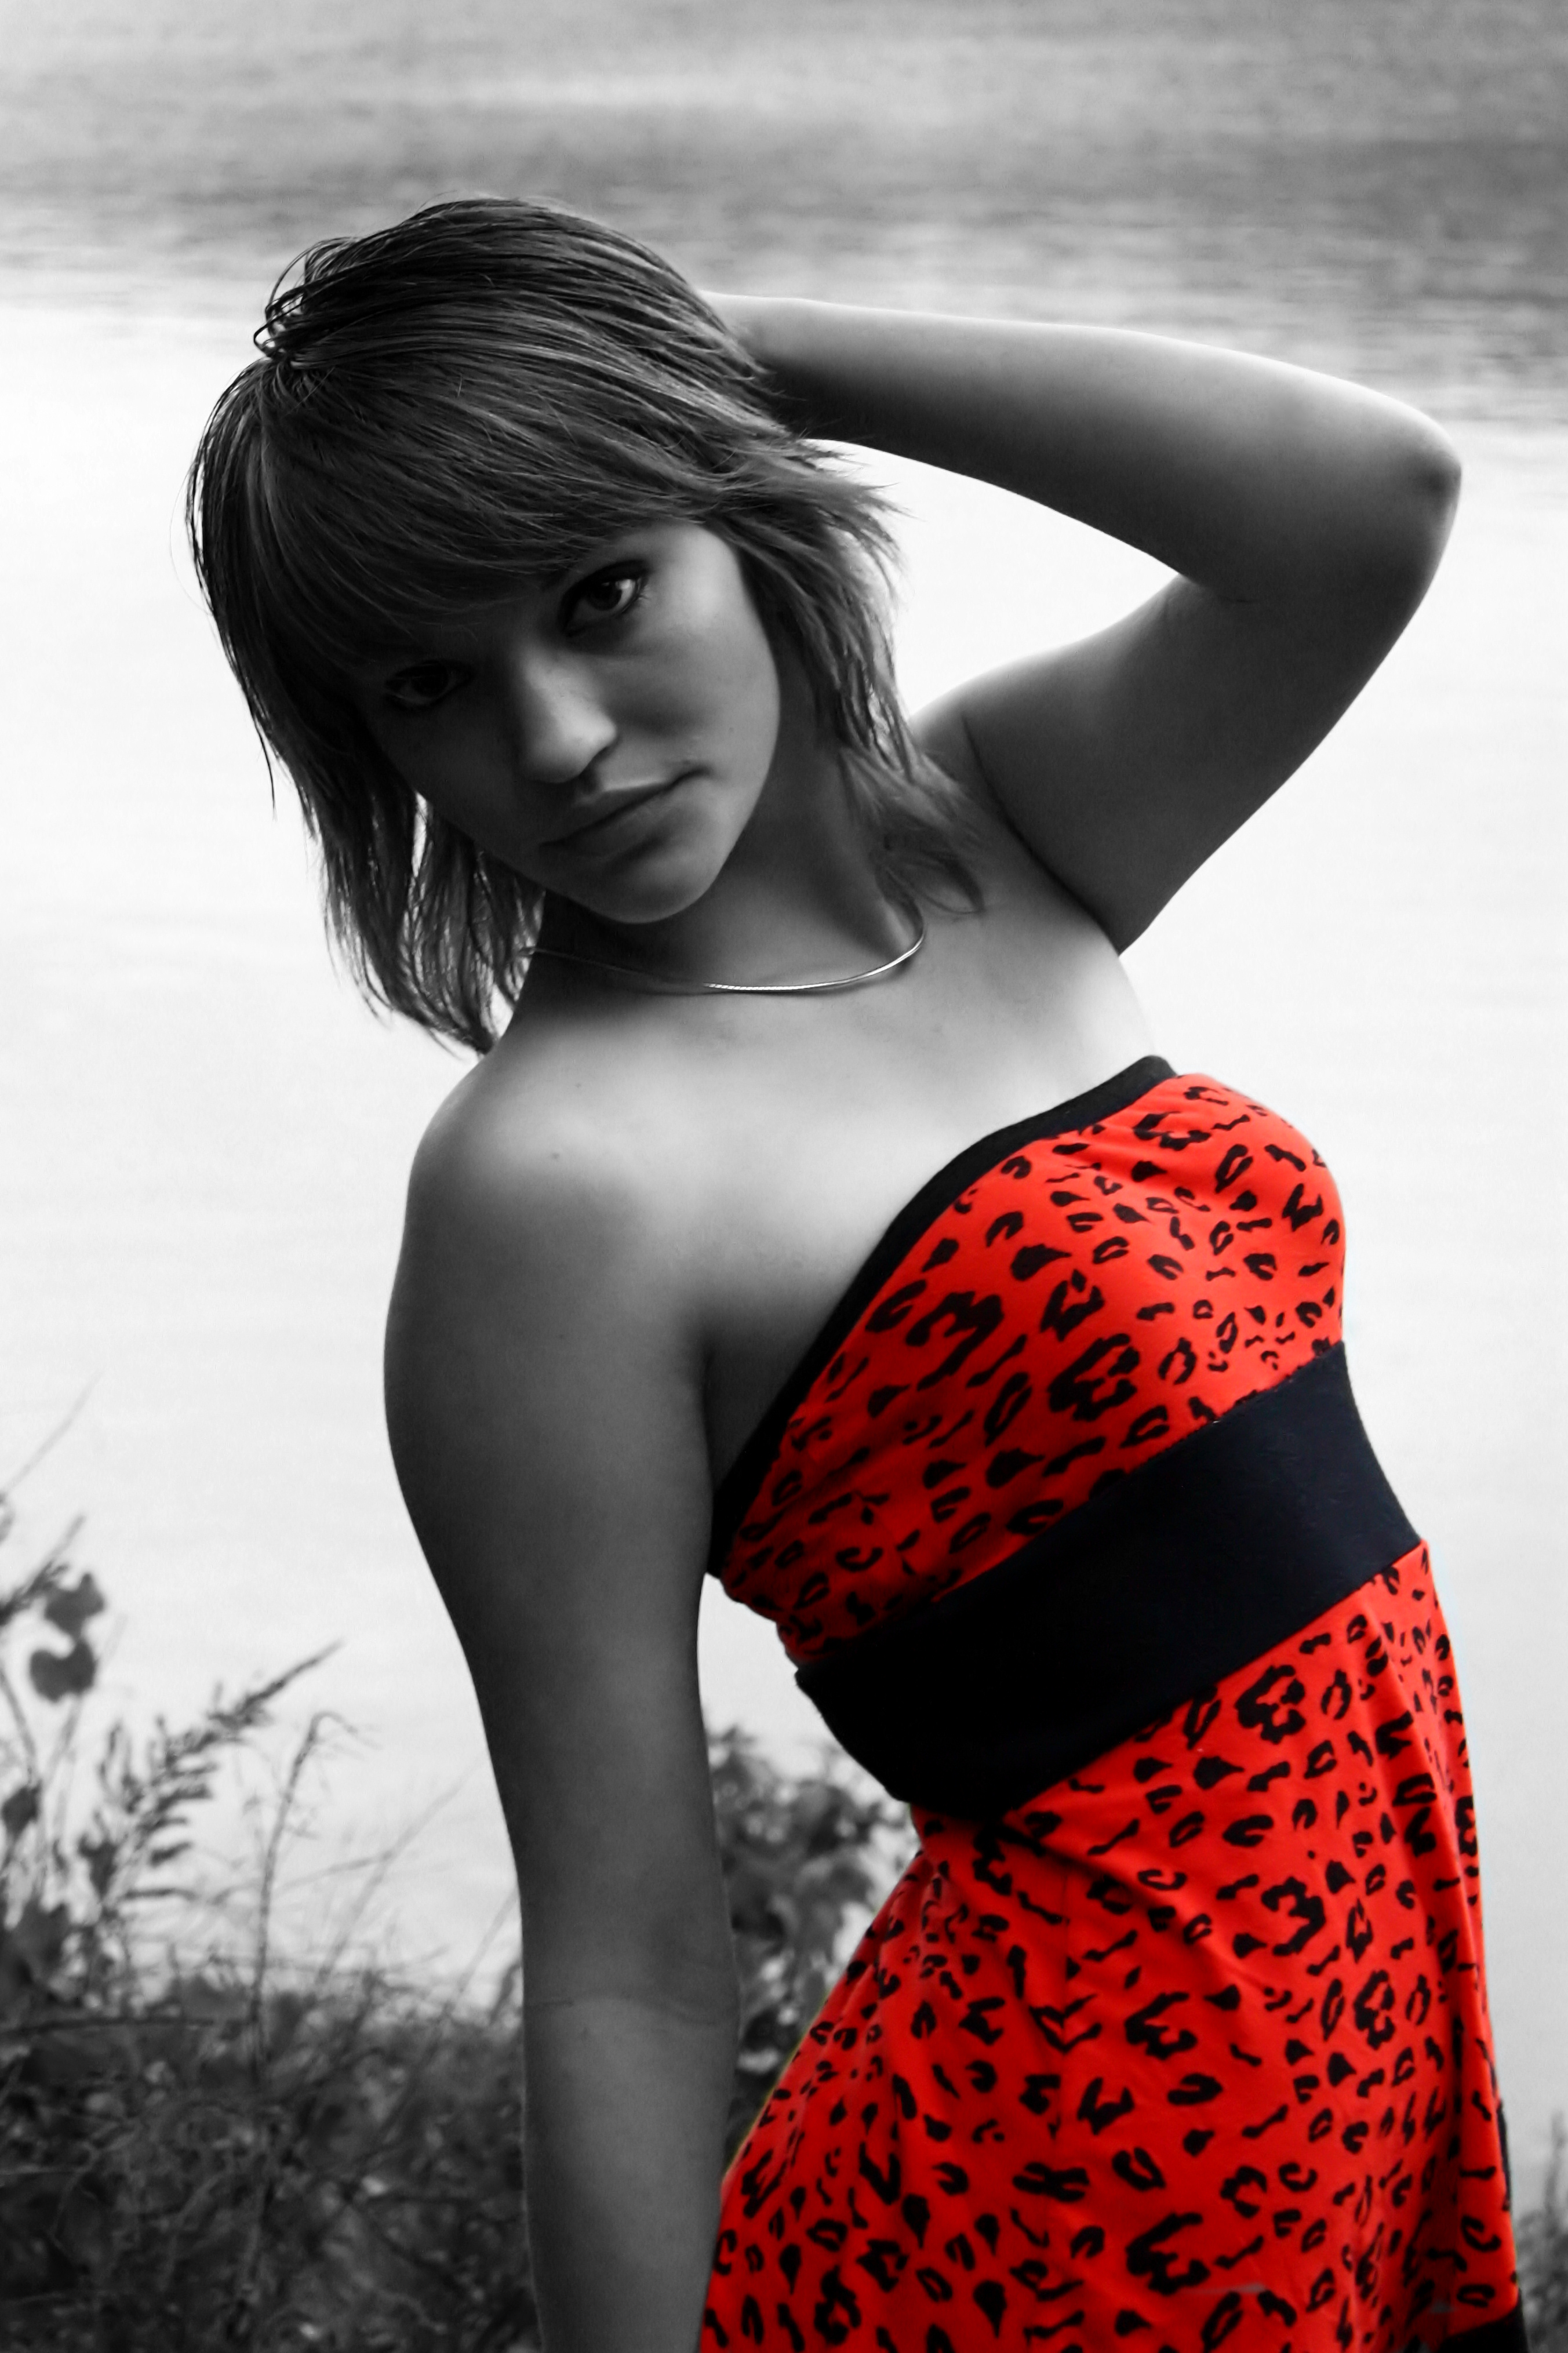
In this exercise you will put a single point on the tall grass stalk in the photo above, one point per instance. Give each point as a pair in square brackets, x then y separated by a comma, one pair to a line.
[209, 2138]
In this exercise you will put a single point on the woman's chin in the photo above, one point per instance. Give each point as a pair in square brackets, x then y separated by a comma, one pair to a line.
[659, 884]
[652, 890]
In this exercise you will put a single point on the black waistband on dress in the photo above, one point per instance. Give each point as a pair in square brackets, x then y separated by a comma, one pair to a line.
[1170, 1578]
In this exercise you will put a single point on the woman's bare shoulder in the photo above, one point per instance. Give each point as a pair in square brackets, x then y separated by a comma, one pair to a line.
[538, 1149]
[539, 1247]
[540, 1348]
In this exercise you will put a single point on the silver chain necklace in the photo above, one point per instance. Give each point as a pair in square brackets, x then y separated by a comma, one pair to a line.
[747, 987]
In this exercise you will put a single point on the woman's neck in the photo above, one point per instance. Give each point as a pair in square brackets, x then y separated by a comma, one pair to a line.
[797, 897]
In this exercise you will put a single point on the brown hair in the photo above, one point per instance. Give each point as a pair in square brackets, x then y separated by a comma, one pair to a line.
[483, 393]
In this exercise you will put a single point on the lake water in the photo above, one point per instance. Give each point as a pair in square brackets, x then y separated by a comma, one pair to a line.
[203, 1138]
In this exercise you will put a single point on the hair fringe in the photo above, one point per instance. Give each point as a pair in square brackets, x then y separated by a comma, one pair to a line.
[482, 377]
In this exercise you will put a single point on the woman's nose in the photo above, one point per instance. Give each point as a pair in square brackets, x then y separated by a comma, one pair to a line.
[558, 721]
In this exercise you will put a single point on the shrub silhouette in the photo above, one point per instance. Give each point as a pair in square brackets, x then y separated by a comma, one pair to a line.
[205, 2143]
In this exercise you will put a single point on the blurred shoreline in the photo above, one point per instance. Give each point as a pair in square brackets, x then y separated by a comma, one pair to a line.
[1381, 192]
[1460, 383]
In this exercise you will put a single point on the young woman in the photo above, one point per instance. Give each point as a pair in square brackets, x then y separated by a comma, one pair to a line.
[1037, 1447]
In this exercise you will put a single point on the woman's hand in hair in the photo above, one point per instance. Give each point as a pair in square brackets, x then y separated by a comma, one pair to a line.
[1302, 516]
[761, 326]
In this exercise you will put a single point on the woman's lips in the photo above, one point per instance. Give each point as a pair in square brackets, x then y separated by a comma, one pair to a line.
[597, 824]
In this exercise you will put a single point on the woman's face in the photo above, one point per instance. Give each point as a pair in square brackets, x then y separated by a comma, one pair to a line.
[607, 734]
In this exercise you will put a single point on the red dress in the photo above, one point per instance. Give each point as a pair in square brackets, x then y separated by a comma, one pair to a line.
[1174, 2031]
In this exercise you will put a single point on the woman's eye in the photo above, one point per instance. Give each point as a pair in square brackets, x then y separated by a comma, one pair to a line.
[424, 684]
[608, 596]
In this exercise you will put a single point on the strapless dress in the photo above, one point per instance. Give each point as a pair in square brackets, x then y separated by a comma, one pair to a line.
[1174, 2031]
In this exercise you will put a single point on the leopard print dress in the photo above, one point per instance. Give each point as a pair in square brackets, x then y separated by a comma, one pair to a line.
[1174, 2031]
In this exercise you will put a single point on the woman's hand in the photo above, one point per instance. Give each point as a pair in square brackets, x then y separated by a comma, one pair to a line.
[1303, 516]
[545, 1415]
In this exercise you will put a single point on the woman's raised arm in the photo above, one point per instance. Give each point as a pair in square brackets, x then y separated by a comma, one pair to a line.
[546, 1422]
[1304, 516]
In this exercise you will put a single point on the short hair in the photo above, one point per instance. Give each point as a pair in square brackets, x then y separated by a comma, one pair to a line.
[473, 397]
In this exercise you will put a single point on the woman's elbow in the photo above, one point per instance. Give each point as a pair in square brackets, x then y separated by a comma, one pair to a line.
[1393, 520]
[1436, 475]
[1420, 492]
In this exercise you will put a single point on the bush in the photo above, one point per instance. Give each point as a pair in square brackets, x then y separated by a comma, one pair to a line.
[804, 1858]
[231, 2149]
[1543, 2255]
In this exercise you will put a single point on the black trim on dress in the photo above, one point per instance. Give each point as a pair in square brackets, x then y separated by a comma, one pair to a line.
[1507, 2335]
[1175, 1576]
[737, 1490]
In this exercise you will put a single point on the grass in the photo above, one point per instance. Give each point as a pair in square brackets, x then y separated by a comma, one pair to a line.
[207, 2143]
